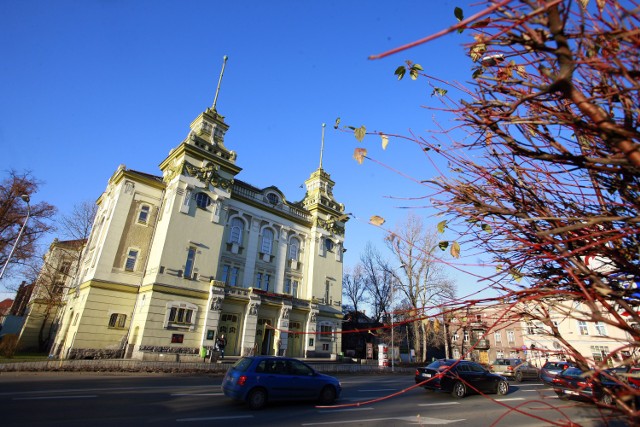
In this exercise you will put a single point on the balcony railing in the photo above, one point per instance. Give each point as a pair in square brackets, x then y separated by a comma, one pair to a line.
[481, 345]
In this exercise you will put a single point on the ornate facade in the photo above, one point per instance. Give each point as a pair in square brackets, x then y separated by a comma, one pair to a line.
[175, 260]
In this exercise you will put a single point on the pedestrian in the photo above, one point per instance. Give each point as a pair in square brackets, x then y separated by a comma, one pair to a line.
[221, 343]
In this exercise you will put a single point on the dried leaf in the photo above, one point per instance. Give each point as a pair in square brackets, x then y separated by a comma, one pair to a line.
[481, 24]
[443, 245]
[455, 250]
[521, 71]
[584, 3]
[439, 91]
[441, 226]
[601, 4]
[487, 228]
[360, 133]
[477, 50]
[376, 220]
[385, 141]
[335, 126]
[359, 154]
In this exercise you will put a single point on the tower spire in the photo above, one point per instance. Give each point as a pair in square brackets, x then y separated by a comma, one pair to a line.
[322, 145]
[215, 99]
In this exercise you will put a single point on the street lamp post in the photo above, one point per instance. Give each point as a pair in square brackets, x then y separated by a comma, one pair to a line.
[393, 351]
[26, 199]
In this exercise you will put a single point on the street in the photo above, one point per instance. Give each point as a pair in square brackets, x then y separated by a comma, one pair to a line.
[80, 399]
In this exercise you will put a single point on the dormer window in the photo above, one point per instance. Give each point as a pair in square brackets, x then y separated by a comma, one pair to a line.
[273, 198]
[203, 200]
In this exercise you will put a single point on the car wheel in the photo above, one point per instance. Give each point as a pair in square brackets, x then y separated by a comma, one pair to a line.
[257, 398]
[606, 399]
[503, 388]
[561, 395]
[519, 377]
[459, 390]
[328, 395]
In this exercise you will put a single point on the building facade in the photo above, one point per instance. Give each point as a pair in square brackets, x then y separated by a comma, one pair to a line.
[43, 307]
[178, 259]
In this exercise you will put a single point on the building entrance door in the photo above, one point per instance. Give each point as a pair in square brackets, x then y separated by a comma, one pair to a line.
[264, 337]
[295, 340]
[229, 327]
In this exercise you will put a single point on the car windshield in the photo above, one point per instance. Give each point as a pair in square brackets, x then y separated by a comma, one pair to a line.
[555, 365]
[502, 362]
[440, 364]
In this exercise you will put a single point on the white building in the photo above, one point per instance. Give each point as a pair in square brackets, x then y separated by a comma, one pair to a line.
[177, 259]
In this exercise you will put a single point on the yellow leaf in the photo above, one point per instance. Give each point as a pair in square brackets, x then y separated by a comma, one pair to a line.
[584, 3]
[359, 154]
[441, 226]
[360, 133]
[376, 220]
[385, 141]
[455, 250]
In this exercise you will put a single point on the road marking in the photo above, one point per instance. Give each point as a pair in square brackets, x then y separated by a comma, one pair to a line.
[326, 411]
[377, 390]
[55, 397]
[413, 420]
[186, 420]
[439, 404]
[510, 399]
[197, 394]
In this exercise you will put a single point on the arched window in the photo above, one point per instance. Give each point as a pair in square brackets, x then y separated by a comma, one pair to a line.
[203, 200]
[237, 227]
[267, 241]
[294, 247]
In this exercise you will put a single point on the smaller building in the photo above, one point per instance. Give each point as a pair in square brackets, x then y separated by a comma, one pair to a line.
[43, 305]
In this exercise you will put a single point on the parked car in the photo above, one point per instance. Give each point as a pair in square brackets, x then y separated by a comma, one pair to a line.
[516, 369]
[550, 369]
[574, 382]
[257, 380]
[460, 377]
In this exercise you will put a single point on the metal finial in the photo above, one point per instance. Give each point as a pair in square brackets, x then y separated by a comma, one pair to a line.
[215, 99]
[322, 145]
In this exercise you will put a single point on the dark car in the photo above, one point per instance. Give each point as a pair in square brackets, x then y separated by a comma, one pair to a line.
[516, 369]
[574, 382]
[550, 369]
[257, 380]
[460, 377]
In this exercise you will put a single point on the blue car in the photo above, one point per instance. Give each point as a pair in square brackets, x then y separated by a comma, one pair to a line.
[257, 380]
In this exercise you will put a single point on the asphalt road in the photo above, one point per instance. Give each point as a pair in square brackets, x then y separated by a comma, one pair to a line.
[77, 399]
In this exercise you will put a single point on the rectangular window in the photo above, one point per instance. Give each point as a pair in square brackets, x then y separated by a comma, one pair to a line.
[287, 286]
[267, 278]
[511, 336]
[326, 292]
[497, 336]
[259, 280]
[191, 259]
[455, 337]
[143, 216]
[66, 266]
[117, 320]
[466, 336]
[180, 316]
[531, 330]
[75, 319]
[294, 289]
[601, 329]
[177, 338]
[583, 328]
[233, 280]
[132, 257]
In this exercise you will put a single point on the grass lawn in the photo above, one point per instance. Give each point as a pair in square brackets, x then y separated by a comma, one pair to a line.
[27, 357]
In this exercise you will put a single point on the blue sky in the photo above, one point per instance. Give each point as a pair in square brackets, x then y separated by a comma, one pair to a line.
[88, 85]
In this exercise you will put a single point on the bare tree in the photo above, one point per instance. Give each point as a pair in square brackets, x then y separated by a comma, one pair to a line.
[13, 213]
[354, 289]
[421, 279]
[377, 282]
